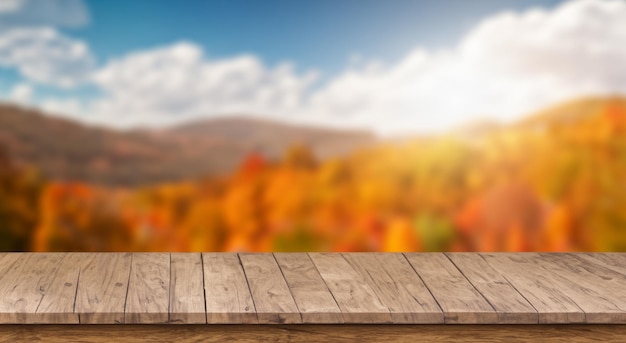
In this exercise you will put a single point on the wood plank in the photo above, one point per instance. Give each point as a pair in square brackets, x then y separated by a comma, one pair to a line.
[397, 286]
[313, 288]
[187, 305]
[102, 288]
[460, 301]
[314, 333]
[511, 306]
[314, 300]
[615, 261]
[356, 299]
[27, 281]
[57, 304]
[7, 261]
[599, 291]
[270, 293]
[228, 298]
[16, 302]
[537, 286]
[147, 301]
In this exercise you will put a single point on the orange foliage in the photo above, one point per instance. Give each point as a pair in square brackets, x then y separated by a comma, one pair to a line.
[558, 186]
[400, 236]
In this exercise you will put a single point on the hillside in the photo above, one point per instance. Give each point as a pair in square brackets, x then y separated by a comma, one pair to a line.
[65, 150]
[551, 182]
[574, 112]
[238, 136]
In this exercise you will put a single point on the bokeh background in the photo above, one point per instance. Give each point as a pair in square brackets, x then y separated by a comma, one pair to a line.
[349, 125]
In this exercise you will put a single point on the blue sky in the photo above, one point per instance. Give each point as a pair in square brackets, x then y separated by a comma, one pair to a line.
[314, 34]
[389, 66]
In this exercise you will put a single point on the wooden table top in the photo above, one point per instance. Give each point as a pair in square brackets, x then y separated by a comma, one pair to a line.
[331, 288]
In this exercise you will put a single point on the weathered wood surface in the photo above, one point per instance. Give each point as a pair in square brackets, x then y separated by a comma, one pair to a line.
[313, 288]
[356, 299]
[187, 289]
[101, 295]
[509, 304]
[589, 286]
[270, 293]
[313, 298]
[398, 287]
[460, 301]
[38, 288]
[538, 286]
[228, 298]
[147, 301]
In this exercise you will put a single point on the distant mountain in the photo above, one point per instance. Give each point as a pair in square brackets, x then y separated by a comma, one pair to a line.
[477, 128]
[66, 150]
[575, 112]
[570, 112]
[267, 137]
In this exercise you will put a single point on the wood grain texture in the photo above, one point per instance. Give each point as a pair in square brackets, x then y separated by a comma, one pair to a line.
[397, 286]
[460, 301]
[314, 300]
[9, 267]
[349, 288]
[356, 299]
[227, 295]
[147, 301]
[538, 287]
[615, 261]
[187, 304]
[270, 293]
[599, 291]
[57, 304]
[7, 260]
[27, 282]
[511, 306]
[314, 333]
[102, 288]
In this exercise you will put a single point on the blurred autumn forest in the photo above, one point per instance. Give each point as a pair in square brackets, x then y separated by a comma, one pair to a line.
[555, 181]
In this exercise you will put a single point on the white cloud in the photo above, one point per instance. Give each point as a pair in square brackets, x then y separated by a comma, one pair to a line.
[10, 6]
[31, 43]
[70, 107]
[21, 93]
[177, 82]
[507, 66]
[46, 56]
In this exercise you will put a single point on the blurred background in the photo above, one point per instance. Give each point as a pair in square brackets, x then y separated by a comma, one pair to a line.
[349, 125]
